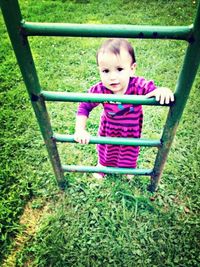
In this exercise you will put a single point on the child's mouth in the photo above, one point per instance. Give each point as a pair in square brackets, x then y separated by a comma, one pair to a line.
[114, 84]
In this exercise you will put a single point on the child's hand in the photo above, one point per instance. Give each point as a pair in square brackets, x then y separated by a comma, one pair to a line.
[162, 94]
[82, 137]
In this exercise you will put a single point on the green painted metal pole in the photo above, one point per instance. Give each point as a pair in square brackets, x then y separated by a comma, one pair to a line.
[106, 30]
[12, 16]
[111, 140]
[100, 98]
[184, 84]
[112, 170]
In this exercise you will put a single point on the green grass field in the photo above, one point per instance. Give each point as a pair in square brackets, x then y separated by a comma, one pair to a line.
[114, 223]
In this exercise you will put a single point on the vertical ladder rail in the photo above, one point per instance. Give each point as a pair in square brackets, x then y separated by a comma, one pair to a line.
[183, 87]
[12, 16]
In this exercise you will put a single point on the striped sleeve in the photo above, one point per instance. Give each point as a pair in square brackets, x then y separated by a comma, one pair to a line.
[85, 108]
[143, 86]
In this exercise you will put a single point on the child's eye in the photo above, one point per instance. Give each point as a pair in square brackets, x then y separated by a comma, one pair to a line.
[119, 69]
[105, 71]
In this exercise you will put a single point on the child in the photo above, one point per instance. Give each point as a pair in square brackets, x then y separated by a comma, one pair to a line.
[117, 64]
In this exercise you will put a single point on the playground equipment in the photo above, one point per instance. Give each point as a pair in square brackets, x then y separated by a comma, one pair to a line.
[19, 30]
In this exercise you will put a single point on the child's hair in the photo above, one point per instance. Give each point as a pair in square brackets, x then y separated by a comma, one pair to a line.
[114, 46]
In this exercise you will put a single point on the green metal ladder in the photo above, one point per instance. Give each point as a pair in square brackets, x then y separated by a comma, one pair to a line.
[19, 30]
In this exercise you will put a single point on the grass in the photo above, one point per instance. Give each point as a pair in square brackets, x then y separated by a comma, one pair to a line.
[116, 223]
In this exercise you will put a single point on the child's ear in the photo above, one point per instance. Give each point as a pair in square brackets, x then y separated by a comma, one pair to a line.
[133, 68]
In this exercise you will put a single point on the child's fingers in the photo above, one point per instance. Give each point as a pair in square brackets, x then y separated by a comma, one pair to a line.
[82, 139]
[172, 97]
[85, 141]
[163, 98]
[151, 94]
[168, 97]
[157, 96]
[76, 138]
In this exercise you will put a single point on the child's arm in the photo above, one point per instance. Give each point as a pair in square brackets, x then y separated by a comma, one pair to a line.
[81, 135]
[162, 94]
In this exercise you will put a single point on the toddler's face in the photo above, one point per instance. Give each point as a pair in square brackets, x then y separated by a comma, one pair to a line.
[116, 70]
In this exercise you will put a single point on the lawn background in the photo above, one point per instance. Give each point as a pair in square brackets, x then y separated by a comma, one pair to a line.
[115, 223]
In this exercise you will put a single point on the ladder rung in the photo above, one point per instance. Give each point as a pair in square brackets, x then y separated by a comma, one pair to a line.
[107, 30]
[100, 98]
[76, 168]
[111, 140]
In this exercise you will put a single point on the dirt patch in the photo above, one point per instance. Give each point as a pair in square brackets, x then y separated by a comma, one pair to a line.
[29, 221]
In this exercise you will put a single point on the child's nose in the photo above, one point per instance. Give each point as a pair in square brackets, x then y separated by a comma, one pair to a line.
[113, 75]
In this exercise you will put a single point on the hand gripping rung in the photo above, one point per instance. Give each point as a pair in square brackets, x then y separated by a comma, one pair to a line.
[111, 140]
[100, 98]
